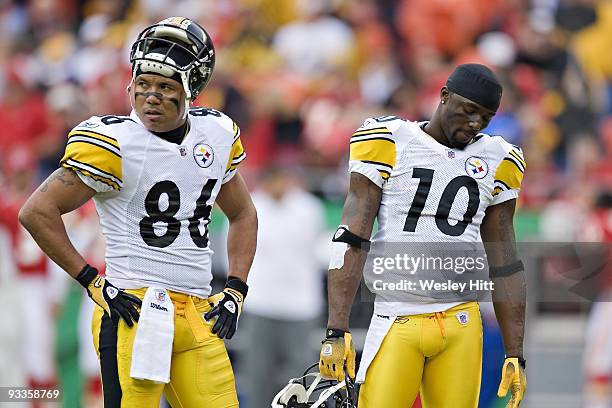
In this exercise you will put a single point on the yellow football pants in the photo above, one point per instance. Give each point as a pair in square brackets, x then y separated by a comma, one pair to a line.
[438, 354]
[200, 375]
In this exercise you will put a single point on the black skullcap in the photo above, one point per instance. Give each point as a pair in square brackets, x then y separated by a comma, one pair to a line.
[476, 83]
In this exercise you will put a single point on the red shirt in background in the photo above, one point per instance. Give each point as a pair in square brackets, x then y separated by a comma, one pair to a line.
[28, 258]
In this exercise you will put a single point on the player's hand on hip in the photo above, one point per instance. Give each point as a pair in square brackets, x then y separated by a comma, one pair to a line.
[513, 379]
[337, 357]
[113, 300]
[226, 307]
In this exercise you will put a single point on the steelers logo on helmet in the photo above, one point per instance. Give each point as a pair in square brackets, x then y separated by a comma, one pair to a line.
[178, 48]
[476, 167]
[203, 155]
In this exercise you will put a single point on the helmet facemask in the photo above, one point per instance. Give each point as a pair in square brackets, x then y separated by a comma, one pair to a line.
[313, 391]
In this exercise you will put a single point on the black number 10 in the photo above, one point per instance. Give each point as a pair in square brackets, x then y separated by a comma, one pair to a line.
[449, 194]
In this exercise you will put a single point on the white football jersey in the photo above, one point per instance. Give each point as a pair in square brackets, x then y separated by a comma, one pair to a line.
[432, 193]
[154, 197]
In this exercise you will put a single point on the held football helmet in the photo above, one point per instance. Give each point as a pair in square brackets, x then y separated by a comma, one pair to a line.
[176, 47]
[313, 391]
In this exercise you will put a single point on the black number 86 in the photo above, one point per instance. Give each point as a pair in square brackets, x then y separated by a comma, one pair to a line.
[173, 225]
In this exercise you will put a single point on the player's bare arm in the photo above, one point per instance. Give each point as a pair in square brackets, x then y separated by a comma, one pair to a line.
[235, 202]
[41, 215]
[359, 212]
[337, 357]
[509, 296]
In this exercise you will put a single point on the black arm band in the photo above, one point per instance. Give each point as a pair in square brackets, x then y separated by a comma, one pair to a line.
[344, 235]
[334, 333]
[506, 270]
[237, 284]
[87, 275]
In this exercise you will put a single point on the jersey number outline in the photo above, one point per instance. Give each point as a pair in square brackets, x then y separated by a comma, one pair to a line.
[449, 194]
[204, 112]
[154, 214]
[113, 119]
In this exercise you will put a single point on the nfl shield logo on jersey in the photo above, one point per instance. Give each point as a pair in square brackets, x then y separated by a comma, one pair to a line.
[463, 318]
[476, 167]
[203, 155]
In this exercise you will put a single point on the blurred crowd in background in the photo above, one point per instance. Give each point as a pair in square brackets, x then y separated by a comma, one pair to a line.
[298, 76]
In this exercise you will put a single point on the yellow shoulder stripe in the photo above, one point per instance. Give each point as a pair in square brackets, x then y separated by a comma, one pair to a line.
[99, 136]
[509, 174]
[236, 129]
[93, 159]
[381, 130]
[375, 151]
[87, 173]
[518, 157]
[236, 156]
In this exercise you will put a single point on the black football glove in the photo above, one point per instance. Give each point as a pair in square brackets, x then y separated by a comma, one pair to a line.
[114, 301]
[226, 306]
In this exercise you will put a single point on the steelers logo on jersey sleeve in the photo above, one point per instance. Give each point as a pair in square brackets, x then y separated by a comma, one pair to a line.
[476, 168]
[203, 155]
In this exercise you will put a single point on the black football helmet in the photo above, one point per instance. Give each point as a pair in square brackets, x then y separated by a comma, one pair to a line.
[311, 390]
[176, 47]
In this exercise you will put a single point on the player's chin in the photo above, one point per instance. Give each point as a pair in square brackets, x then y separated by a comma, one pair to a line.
[459, 144]
[461, 139]
[155, 123]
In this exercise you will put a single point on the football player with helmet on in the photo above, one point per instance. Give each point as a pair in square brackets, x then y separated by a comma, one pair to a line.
[437, 186]
[154, 176]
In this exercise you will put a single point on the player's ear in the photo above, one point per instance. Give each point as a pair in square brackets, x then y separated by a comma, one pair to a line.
[444, 95]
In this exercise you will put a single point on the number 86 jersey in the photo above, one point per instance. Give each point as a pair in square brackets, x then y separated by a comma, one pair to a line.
[154, 197]
[433, 193]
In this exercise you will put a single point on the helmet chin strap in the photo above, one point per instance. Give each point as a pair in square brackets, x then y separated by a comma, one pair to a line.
[188, 96]
[127, 89]
[186, 110]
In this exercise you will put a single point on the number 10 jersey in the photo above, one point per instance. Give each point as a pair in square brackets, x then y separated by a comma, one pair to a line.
[432, 195]
[154, 197]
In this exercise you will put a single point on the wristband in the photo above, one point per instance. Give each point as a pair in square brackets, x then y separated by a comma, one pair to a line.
[334, 333]
[237, 284]
[87, 275]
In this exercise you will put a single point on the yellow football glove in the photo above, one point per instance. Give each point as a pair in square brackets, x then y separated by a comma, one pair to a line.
[513, 378]
[337, 355]
[226, 307]
[115, 302]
